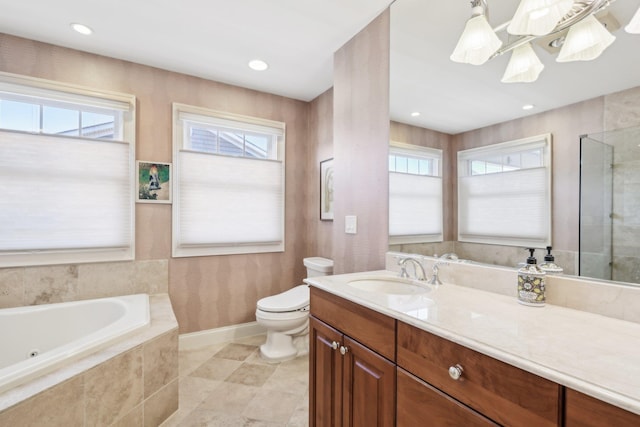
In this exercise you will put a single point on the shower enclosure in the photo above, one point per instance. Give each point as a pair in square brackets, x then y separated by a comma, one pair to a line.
[610, 205]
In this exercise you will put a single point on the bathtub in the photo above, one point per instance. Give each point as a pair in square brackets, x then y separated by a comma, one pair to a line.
[36, 340]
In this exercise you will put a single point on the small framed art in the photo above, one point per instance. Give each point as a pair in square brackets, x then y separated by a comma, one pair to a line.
[154, 182]
[326, 190]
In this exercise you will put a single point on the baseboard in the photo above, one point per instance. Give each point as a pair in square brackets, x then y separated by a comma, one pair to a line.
[219, 335]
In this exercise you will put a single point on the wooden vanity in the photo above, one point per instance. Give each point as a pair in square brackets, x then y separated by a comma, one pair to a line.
[371, 369]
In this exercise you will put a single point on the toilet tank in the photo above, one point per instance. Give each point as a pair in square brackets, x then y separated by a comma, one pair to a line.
[318, 266]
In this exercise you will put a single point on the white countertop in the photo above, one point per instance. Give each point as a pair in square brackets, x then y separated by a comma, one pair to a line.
[596, 355]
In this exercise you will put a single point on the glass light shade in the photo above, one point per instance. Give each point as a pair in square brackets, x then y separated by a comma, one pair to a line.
[633, 27]
[524, 66]
[585, 41]
[538, 17]
[477, 42]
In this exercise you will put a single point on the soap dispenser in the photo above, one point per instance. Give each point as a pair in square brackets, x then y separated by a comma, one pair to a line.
[549, 265]
[531, 283]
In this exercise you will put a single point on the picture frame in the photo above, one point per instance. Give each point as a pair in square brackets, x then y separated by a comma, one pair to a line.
[153, 182]
[326, 190]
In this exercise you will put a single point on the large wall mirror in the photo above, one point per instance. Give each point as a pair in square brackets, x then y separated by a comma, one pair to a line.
[441, 104]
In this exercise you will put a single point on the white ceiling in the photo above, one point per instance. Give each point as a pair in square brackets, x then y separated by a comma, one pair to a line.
[214, 39]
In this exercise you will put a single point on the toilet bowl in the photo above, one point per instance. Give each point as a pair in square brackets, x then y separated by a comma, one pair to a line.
[285, 316]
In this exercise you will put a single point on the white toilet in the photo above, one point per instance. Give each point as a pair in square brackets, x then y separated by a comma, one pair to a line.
[286, 316]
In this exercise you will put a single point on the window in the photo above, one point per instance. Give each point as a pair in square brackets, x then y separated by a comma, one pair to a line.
[229, 191]
[504, 193]
[415, 194]
[66, 175]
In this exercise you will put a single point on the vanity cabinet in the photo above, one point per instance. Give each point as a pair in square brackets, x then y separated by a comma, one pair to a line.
[585, 411]
[460, 376]
[351, 383]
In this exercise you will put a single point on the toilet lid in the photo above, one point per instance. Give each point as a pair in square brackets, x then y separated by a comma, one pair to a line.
[291, 300]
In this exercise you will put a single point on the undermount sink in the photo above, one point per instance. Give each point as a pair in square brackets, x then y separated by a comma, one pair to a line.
[389, 285]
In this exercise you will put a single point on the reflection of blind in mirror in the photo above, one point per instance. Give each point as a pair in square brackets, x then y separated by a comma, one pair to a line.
[415, 194]
[504, 193]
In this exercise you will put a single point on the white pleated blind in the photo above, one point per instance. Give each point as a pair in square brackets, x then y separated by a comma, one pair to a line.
[415, 205]
[511, 206]
[60, 193]
[229, 201]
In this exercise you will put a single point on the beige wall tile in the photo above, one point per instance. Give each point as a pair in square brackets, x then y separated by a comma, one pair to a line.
[50, 284]
[152, 276]
[160, 362]
[161, 405]
[61, 406]
[11, 287]
[114, 388]
[106, 279]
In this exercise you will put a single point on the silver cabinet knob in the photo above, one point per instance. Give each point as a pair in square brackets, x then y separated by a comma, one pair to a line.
[343, 350]
[455, 372]
[335, 345]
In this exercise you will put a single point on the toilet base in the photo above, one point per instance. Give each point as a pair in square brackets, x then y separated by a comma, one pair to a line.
[282, 347]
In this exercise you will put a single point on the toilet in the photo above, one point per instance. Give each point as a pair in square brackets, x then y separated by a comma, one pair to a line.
[285, 316]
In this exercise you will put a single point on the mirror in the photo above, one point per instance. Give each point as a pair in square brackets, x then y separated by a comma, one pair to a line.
[464, 106]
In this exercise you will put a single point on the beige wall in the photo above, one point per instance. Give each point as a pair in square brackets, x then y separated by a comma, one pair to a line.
[206, 292]
[361, 141]
[319, 233]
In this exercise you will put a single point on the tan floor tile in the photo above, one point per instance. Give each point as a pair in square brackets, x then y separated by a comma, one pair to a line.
[216, 369]
[249, 374]
[235, 351]
[290, 380]
[229, 398]
[300, 417]
[256, 340]
[272, 405]
[193, 390]
[189, 360]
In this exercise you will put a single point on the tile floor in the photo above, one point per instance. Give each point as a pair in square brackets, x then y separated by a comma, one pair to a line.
[230, 385]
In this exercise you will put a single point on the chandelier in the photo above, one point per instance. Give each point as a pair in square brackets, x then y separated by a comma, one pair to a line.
[585, 40]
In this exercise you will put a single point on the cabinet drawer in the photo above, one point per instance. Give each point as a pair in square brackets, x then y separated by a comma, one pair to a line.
[373, 329]
[585, 411]
[506, 394]
[419, 404]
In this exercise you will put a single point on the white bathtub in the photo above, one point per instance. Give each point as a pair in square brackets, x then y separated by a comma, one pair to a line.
[35, 340]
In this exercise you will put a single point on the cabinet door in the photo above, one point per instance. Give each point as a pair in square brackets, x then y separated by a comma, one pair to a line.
[585, 411]
[325, 375]
[369, 387]
[419, 404]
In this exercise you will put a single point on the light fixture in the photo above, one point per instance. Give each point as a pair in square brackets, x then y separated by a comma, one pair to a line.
[633, 27]
[538, 17]
[585, 41]
[478, 40]
[415, 114]
[528, 106]
[535, 19]
[524, 66]
[82, 29]
[258, 65]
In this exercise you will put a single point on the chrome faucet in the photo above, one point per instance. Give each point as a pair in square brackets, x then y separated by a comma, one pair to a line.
[451, 256]
[435, 279]
[416, 266]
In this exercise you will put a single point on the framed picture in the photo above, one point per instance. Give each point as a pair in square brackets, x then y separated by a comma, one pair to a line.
[326, 190]
[154, 182]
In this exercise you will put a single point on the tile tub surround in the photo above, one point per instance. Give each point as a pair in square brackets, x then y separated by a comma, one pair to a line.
[22, 286]
[131, 383]
[611, 299]
[587, 352]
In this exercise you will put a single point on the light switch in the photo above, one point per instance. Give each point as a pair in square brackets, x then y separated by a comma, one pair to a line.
[351, 224]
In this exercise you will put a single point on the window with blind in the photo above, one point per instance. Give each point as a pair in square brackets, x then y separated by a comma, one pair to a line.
[504, 193]
[415, 194]
[66, 175]
[229, 175]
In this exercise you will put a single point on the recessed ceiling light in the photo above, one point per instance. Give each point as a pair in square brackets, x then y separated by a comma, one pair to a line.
[528, 106]
[82, 29]
[258, 65]
[415, 114]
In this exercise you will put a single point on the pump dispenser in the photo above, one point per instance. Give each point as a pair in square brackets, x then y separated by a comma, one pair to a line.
[531, 283]
[549, 265]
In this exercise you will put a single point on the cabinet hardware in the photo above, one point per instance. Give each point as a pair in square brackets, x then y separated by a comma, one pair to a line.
[455, 372]
[335, 345]
[344, 350]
